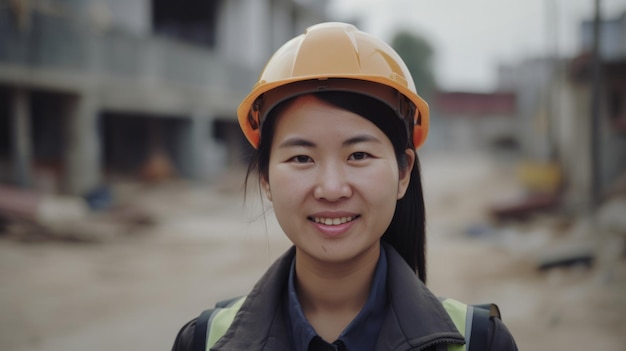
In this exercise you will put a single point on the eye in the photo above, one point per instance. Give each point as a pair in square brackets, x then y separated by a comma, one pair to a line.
[357, 156]
[301, 159]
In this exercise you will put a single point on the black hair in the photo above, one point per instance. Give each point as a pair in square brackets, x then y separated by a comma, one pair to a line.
[406, 233]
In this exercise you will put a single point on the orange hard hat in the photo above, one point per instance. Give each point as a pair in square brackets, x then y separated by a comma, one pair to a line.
[334, 57]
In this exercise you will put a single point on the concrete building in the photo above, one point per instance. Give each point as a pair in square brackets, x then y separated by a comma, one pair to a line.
[555, 113]
[479, 121]
[94, 90]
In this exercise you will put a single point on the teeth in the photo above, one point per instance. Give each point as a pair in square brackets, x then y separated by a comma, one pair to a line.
[332, 221]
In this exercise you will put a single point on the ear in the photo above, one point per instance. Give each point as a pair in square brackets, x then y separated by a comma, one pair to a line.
[405, 174]
[266, 188]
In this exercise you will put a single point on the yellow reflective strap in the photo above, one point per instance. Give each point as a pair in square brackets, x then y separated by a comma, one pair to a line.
[458, 312]
[221, 321]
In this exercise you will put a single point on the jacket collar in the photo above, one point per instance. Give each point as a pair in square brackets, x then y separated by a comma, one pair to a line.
[415, 319]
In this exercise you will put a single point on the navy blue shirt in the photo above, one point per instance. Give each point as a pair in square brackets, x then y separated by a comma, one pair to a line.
[361, 334]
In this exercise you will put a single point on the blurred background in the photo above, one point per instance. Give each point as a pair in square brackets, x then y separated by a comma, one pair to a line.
[122, 212]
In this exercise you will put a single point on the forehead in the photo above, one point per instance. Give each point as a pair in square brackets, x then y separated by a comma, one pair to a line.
[309, 111]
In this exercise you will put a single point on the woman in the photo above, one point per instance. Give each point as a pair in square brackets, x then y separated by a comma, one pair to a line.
[336, 120]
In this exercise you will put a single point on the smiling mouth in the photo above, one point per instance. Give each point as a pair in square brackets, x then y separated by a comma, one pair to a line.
[333, 221]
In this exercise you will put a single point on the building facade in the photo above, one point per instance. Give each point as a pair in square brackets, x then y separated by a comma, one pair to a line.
[92, 90]
[555, 116]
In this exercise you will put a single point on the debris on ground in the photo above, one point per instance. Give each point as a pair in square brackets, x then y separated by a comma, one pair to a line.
[31, 217]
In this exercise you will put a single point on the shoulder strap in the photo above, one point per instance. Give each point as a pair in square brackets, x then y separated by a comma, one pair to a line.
[200, 331]
[212, 324]
[480, 325]
[479, 328]
[472, 321]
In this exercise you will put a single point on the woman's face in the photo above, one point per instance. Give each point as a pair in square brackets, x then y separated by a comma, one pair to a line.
[333, 180]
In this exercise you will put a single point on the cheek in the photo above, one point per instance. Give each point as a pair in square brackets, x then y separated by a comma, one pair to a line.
[285, 185]
[379, 185]
[383, 175]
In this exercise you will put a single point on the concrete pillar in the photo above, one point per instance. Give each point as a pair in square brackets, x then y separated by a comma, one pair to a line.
[199, 135]
[82, 154]
[22, 141]
[183, 156]
[205, 156]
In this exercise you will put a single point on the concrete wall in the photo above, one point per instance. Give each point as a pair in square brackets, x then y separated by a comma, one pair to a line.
[531, 82]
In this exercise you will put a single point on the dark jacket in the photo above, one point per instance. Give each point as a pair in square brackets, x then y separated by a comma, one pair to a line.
[415, 319]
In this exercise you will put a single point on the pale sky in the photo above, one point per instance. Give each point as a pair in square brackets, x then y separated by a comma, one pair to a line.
[471, 37]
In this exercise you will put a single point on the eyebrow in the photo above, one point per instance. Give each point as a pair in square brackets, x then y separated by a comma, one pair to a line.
[363, 138]
[296, 141]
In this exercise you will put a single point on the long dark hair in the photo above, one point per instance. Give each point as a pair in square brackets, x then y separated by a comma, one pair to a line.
[406, 233]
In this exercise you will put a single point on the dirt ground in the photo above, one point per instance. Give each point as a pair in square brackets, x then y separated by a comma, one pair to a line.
[132, 288]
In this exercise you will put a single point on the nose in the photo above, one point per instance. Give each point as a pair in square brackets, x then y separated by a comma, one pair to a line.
[332, 184]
